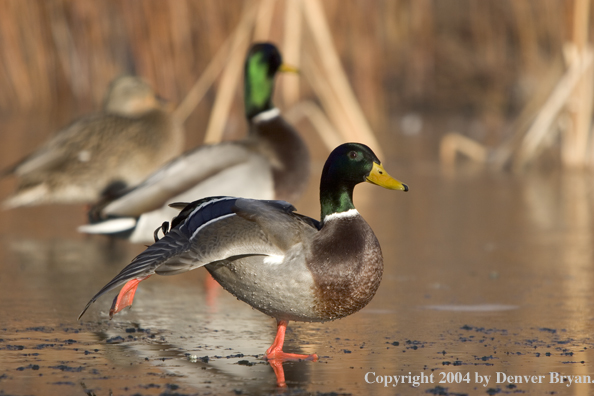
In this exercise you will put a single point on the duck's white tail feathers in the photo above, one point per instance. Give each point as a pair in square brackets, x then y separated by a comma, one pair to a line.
[109, 226]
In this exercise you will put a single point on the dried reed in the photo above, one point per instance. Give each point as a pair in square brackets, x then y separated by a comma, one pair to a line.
[480, 59]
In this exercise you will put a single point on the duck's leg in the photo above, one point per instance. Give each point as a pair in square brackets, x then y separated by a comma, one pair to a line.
[212, 288]
[125, 297]
[276, 349]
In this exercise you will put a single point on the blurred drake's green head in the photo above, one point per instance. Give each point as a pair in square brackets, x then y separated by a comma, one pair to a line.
[261, 65]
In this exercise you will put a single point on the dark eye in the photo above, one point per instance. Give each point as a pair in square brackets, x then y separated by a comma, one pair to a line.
[353, 154]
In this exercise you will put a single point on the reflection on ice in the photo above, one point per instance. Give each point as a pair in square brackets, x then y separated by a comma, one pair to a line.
[472, 308]
[483, 274]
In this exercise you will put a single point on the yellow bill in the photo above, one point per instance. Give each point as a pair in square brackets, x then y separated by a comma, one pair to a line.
[288, 68]
[380, 177]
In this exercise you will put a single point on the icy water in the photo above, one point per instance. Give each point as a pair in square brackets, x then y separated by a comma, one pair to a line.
[487, 276]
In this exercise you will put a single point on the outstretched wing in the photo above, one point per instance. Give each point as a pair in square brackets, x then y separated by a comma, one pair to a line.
[216, 229]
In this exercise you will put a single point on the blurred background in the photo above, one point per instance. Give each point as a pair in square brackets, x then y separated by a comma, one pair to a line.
[419, 70]
[481, 106]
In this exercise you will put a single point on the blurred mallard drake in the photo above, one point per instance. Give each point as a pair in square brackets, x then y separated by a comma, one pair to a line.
[100, 153]
[286, 265]
[271, 163]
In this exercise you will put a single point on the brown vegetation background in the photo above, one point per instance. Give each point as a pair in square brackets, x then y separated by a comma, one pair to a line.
[481, 61]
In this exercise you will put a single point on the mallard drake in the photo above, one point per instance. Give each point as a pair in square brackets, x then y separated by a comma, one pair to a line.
[271, 163]
[98, 154]
[284, 264]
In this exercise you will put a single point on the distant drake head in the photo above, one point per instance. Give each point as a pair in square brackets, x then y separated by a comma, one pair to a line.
[262, 63]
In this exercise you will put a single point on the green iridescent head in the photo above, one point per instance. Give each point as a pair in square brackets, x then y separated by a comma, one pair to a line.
[262, 63]
[348, 165]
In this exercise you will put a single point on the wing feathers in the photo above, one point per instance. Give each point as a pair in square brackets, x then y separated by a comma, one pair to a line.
[216, 229]
[276, 219]
[146, 263]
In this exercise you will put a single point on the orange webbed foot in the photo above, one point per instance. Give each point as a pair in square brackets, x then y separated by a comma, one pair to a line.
[125, 297]
[275, 352]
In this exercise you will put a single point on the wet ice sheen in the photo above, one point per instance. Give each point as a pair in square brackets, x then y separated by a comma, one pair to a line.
[472, 308]
[534, 318]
